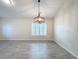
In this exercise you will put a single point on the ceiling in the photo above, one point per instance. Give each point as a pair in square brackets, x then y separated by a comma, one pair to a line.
[28, 8]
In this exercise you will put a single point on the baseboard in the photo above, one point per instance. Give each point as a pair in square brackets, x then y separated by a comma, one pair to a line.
[67, 49]
[30, 40]
[27, 39]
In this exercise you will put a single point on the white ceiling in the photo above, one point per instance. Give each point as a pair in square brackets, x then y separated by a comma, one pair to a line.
[28, 8]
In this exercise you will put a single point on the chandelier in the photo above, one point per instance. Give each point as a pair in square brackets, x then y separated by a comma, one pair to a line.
[39, 19]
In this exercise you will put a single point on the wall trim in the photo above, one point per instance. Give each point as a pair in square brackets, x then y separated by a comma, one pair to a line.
[67, 49]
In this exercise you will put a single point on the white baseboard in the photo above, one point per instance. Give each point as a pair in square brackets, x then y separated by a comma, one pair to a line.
[67, 49]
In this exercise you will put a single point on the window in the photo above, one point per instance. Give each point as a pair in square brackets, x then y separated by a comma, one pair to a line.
[7, 30]
[39, 29]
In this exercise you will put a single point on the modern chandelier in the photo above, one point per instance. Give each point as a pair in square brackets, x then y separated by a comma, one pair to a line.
[39, 19]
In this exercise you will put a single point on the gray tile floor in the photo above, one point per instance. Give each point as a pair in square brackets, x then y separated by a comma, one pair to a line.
[32, 50]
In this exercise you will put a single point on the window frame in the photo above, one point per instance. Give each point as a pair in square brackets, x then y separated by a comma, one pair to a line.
[39, 29]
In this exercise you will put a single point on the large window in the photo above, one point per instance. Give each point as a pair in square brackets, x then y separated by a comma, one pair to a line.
[39, 29]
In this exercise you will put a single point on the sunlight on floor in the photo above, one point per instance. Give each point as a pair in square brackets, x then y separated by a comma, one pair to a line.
[39, 51]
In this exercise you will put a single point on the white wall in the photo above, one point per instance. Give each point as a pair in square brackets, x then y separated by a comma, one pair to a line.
[20, 28]
[65, 27]
[0, 29]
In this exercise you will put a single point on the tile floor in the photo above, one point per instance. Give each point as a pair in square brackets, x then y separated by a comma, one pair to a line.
[32, 50]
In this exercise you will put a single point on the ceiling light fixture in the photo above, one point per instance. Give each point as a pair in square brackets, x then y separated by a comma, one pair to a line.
[39, 19]
[9, 2]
